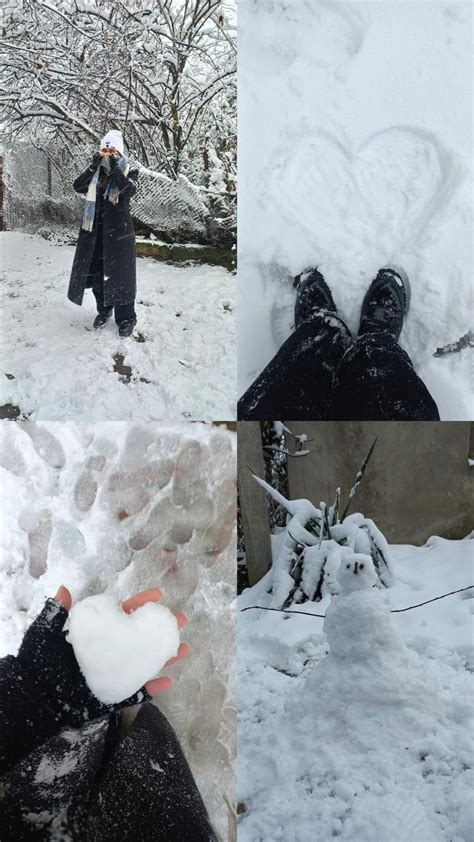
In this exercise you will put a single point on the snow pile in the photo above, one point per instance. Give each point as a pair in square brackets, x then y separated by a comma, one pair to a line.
[118, 652]
[118, 508]
[361, 732]
[354, 151]
[180, 363]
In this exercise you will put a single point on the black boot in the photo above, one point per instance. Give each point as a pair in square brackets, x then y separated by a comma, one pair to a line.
[125, 328]
[102, 318]
[385, 303]
[312, 295]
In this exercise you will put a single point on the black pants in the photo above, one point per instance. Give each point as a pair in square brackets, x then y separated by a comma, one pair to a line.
[133, 787]
[123, 312]
[146, 790]
[320, 373]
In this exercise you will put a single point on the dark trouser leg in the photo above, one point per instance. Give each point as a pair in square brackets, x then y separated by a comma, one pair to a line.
[147, 790]
[102, 309]
[297, 383]
[376, 381]
[125, 313]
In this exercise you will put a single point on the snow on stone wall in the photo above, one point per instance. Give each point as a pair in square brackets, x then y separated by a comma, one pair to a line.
[119, 508]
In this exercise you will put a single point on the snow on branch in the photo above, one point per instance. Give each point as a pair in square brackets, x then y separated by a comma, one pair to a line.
[281, 432]
[466, 341]
[163, 72]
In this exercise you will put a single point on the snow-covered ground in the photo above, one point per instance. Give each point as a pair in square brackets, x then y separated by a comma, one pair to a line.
[56, 367]
[355, 148]
[374, 747]
[118, 508]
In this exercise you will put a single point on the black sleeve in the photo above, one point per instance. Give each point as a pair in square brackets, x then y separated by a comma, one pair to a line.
[125, 184]
[42, 689]
[82, 181]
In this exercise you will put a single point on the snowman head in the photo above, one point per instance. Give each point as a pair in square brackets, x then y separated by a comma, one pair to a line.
[356, 573]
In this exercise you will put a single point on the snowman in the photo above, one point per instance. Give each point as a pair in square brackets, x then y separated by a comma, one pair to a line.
[360, 676]
[357, 623]
[366, 715]
[356, 573]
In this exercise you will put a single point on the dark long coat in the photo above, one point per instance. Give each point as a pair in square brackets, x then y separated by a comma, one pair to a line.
[107, 254]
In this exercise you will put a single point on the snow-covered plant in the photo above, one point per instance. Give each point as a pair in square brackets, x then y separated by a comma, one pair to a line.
[315, 541]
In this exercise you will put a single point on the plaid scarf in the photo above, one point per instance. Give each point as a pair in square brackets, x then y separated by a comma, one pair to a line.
[111, 192]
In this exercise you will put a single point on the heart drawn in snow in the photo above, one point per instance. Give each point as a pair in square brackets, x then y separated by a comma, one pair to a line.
[118, 652]
[390, 188]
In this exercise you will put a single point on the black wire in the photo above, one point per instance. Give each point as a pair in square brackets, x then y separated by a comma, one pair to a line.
[393, 610]
[400, 610]
[283, 611]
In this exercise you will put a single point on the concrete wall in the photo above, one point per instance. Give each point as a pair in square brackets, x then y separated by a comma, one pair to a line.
[418, 482]
[253, 505]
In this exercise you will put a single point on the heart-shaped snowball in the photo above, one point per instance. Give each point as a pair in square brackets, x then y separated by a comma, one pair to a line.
[118, 652]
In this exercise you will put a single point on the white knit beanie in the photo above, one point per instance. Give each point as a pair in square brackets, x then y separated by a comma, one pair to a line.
[113, 138]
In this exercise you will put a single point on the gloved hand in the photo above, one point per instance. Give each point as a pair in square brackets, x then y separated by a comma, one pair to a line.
[95, 160]
[52, 668]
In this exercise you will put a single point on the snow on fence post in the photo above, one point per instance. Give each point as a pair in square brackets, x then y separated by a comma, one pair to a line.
[2, 218]
[253, 507]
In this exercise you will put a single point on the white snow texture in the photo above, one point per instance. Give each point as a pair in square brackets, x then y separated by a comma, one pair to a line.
[355, 146]
[360, 726]
[117, 508]
[56, 367]
[118, 652]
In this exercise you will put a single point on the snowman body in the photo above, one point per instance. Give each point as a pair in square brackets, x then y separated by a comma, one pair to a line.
[361, 719]
[357, 623]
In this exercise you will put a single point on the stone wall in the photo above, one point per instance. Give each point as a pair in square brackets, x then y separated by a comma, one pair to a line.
[418, 482]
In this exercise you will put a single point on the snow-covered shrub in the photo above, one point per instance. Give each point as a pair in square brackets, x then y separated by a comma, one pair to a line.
[315, 542]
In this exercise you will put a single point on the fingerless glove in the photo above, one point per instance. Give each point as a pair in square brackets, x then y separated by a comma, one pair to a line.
[49, 663]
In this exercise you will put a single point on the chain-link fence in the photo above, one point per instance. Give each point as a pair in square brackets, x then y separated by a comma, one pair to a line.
[38, 197]
[173, 208]
[35, 197]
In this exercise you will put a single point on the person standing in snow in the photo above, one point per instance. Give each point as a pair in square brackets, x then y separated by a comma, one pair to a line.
[73, 768]
[323, 373]
[105, 258]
